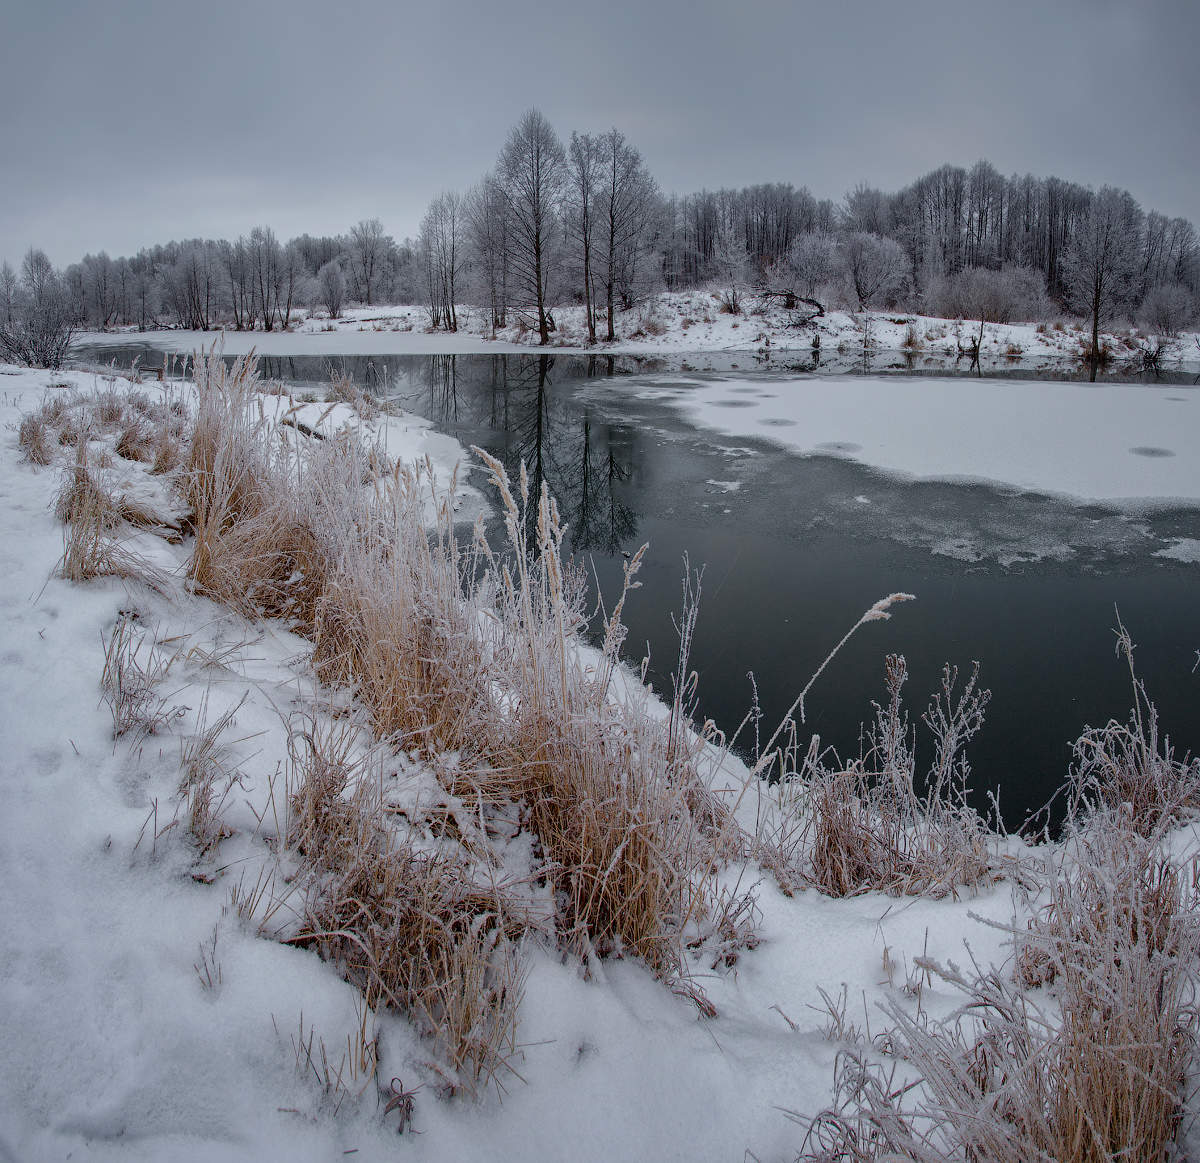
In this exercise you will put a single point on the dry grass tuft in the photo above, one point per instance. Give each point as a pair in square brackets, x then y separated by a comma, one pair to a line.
[1126, 767]
[92, 519]
[226, 469]
[108, 407]
[167, 451]
[136, 441]
[865, 826]
[473, 662]
[1103, 1079]
[34, 440]
[395, 622]
[411, 929]
[343, 389]
[129, 683]
[1097, 1075]
[73, 433]
[209, 777]
[54, 409]
[608, 788]
[269, 565]
[356, 1067]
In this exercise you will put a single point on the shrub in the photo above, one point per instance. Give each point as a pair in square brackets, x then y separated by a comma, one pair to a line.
[41, 328]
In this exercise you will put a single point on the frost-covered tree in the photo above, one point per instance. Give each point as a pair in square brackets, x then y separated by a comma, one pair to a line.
[867, 210]
[532, 171]
[1099, 267]
[99, 290]
[1169, 253]
[876, 268]
[731, 266]
[990, 296]
[331, 288]
[145, 292]
[42, 323]
[809, 265]
[36, 271]
[1167, 309]
[235, 265]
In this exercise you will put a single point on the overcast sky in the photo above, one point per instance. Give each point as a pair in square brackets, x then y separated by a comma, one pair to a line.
[127, 123]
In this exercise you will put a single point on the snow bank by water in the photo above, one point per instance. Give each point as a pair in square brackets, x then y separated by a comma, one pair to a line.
[669, 323]
[1108, 442]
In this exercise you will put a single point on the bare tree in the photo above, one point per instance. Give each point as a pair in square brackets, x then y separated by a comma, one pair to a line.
[192, 284]
[369, 248]
[331, 287]
[292, 275]
[443, 257]
[146, 291]
[100, 290]
[265, 258]
[626, 203]
[731, 261]
[532, 170]
[867, 210]
[8, 292]
[487, 217]
[37, 271]
[875, 267]
[236, 265]
[1099, 266]
[584, 159]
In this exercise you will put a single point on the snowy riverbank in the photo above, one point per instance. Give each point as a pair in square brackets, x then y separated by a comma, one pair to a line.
[670, 323]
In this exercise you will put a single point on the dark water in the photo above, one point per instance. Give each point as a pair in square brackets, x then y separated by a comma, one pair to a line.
[792, 557]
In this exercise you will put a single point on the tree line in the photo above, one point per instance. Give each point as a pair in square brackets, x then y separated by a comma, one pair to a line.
[583, 222]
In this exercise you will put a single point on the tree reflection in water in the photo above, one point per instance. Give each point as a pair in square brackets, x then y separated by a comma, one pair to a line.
[582, 460]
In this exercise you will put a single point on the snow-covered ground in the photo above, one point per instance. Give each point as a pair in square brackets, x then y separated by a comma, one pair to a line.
[141, 1019]
[1127, 443]
[676, 322]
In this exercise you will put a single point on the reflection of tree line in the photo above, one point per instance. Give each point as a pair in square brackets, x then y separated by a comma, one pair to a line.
[582, 461]
[368, 372]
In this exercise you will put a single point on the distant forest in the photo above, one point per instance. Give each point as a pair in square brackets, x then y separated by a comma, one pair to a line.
[582, 221]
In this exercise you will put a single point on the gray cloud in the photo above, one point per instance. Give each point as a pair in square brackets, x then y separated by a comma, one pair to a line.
[134, 122]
